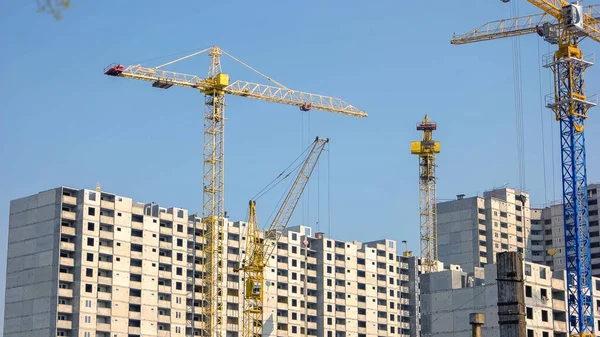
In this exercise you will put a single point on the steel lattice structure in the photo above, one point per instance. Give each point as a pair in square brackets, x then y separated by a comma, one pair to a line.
[214, 87]
[426, 149]
[566, 26]
[259, 249]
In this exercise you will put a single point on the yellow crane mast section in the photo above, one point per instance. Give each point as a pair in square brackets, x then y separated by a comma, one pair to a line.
[426, 149]
[259, 249]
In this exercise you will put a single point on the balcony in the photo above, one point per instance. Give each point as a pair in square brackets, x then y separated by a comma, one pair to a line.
[102, 326]
[65, 308]
[105, 250]
[137, 225]
[105, 265]
[135, 285]
[536, 237]
[135, 270]
[167, 333]
[559, 305]
[137, 240]
[164, 289]
[560, 326]
[60, 324]
[69, 216]
[107, 204]
[66, 230]
[166, 230]
[135, 315]
[558, 283]
[537, 247]
[164, 319]
[109, 220]
[70, 246]
[164, 304]
[164, 274]
[133, 330]
[67, 199]
[65, 292]
[135, 300]
[104, 296]
[104, 280]
[136, 255]
[66, 277]
[106, 235]
[164, 259]
[165, 245]
[67, 261]
[104, 311]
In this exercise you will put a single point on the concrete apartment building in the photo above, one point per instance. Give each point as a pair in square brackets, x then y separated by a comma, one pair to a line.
[450, 296]
[93, 264]
[472, 230]
[553, 231]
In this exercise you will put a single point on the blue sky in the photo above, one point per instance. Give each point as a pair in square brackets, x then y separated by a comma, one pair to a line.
[63, 123]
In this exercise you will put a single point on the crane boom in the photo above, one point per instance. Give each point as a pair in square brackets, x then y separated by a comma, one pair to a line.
[566, 26]
[281, 219]
[165, 79]
[259, 249]
[524, 25]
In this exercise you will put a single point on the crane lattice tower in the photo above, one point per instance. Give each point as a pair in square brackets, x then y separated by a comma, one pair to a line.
[426, 149]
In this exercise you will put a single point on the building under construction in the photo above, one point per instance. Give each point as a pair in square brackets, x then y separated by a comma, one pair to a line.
[107, 266]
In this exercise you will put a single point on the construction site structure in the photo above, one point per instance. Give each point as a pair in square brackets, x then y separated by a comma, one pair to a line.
[259, 248]
[214, 87]
[426, 149]
[564, 24]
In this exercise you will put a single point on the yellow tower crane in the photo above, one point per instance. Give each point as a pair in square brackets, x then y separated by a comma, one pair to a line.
[258, 249]
[426, 149]
[564, 24]
[214, 87]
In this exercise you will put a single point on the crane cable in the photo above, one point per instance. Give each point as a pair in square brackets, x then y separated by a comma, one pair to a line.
[518, 92]
[283, 175]
[542, 121]
[550, 84]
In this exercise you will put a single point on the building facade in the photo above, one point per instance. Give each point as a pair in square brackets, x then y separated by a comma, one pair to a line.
[553, 227]
[93, 264]
[472, 230]
[450, 296]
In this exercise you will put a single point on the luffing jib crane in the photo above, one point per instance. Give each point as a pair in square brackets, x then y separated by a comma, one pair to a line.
[259, 249]
[564, 24]
[214, 87]
[426, 149]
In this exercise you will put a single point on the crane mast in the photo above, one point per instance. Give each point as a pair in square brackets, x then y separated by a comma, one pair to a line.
[259, 249]
[569, 24]
[213, 193]
[426, 149]
[214, 87]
